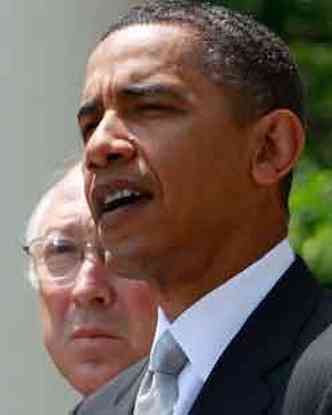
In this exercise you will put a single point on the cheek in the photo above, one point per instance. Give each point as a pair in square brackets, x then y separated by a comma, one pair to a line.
[53, 308]
[164, 144]
[167, 156]
[88, 178]
[141, 311]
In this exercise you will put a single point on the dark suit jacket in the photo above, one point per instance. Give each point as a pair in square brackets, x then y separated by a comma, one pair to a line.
[251, 376]
[310, 388]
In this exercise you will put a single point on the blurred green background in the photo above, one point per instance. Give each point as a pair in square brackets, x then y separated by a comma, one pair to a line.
[306, 25]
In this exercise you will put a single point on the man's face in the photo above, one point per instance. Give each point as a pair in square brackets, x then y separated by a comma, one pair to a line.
[166, 166]
[100, 324]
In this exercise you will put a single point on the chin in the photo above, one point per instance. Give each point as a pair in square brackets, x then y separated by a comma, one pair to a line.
[88, 383]
[86, 375]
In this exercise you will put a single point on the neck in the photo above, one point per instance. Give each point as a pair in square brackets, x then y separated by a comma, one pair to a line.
[192, 274]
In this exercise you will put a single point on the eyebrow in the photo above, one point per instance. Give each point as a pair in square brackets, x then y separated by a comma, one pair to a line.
[160, 90]
[151, 90]
[66, 227]
[88, 108]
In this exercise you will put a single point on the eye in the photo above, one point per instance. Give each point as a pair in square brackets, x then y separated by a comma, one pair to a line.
[59, 246]
[61, 255]
[153, 107]
[153, 110]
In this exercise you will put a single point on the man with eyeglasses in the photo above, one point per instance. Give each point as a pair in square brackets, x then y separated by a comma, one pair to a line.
[95, 325]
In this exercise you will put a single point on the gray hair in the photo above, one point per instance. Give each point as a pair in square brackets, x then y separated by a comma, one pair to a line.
[33, 226]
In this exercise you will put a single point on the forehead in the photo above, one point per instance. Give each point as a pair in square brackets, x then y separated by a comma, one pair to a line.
[140, 52]
[67, 210]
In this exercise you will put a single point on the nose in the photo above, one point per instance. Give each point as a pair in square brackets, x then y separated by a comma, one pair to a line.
[92, 286]
[109, 143]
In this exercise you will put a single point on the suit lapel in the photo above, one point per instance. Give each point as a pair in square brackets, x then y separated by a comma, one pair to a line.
[118, 396]
[244, 377]
[124, 404]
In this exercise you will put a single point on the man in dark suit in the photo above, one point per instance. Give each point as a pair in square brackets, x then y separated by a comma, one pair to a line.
[192, 120]
[95, 325]
[310, 388]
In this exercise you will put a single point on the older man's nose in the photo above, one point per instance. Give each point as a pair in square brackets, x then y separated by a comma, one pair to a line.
[93, 285]
[109, 143]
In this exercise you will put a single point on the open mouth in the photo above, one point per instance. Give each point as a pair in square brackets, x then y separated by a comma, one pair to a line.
[108, 200]
[122, 198]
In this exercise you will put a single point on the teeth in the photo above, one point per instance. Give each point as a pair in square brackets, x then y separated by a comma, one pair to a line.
[119, 194]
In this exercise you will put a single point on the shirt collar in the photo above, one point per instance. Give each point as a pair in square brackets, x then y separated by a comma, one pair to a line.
[206, 328]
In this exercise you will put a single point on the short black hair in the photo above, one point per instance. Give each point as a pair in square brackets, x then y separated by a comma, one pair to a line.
[237, 52]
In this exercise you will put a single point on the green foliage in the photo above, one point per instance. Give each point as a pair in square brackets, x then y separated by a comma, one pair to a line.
[306, 25]
[311, 224]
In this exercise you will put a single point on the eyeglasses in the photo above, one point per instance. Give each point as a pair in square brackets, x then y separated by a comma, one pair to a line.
[62, 256]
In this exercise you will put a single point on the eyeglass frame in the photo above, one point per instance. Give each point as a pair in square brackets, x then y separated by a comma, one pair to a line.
[85, 246]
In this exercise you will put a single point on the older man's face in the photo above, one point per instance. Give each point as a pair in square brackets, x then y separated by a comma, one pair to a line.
[99, 324]
[166, 166]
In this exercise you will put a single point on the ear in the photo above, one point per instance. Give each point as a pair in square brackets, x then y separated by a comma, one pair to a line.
[278, 145]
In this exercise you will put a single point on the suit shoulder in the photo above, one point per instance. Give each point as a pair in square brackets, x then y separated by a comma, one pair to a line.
[310, 387]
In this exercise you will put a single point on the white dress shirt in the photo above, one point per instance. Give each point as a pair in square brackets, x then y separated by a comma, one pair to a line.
[206, 328]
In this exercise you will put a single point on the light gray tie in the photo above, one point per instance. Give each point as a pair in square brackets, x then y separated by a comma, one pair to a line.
[158, 392]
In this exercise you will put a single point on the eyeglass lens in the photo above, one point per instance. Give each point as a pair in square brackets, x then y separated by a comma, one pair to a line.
[61, 256]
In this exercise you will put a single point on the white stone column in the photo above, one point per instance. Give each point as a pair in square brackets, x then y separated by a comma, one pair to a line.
[44, 46]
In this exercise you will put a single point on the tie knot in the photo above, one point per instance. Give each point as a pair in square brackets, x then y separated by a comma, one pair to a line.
[168, 356]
